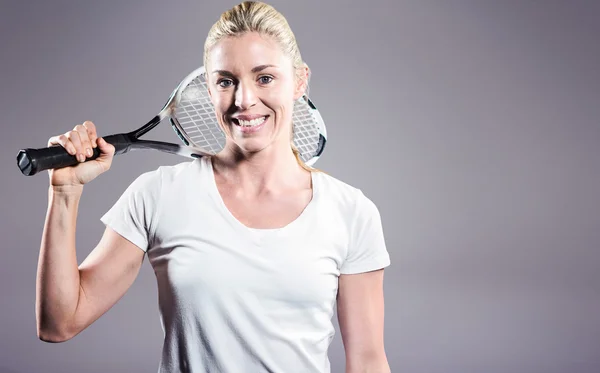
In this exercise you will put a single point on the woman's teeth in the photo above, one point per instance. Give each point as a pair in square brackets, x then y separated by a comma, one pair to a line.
[251, 123]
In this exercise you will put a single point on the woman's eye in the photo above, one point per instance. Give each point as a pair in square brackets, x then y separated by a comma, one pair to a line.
[265, 79]
[224, 83]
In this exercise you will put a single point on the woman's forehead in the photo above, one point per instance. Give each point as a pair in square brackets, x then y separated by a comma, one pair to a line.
[246, 52]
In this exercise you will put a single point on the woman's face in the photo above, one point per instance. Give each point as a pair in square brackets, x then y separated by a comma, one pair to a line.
[253, 85]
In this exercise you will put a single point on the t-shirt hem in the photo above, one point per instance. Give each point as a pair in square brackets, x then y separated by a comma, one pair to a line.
[373, 265]
[130, 236]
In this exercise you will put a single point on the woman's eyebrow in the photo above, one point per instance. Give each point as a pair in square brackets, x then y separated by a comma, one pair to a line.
[254, 70]
[261, 68]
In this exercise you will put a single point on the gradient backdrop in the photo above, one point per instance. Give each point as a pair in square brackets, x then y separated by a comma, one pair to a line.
[473, 125]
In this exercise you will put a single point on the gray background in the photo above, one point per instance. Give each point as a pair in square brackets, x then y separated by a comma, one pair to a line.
[473, 125]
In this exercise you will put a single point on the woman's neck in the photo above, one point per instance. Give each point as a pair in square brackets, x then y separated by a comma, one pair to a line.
[274, 169]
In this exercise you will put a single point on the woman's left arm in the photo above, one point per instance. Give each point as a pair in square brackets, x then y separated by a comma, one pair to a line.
[360, 309]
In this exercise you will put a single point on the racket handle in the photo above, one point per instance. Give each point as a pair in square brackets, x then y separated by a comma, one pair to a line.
[32, 161]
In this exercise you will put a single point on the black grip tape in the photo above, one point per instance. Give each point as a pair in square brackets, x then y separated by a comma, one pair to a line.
[32, 161]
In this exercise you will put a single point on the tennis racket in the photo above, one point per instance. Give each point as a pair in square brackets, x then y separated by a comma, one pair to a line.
[192, 117]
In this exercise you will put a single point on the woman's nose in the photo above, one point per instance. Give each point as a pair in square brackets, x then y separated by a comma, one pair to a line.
[245, 96]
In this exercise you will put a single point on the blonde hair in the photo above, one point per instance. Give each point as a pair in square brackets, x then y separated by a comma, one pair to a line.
[254, 16]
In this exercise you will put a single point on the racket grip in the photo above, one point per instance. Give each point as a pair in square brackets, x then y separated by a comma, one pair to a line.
[32, 161]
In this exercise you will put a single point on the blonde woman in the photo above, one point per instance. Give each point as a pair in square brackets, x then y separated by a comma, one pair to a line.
[251, 248]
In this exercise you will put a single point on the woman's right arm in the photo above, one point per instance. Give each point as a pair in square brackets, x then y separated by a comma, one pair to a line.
[70, 297]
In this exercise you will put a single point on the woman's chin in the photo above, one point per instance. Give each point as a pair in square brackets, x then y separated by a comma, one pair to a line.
[252, 146]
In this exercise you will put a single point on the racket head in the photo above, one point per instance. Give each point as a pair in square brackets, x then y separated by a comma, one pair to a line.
[193, 118]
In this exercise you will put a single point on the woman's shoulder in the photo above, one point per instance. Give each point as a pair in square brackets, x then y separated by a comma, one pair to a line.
[165, 175]
[348, 202]
[177, 170]
[342, 191]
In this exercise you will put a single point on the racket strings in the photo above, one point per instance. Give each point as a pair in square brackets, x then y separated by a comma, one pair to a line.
[197, 118]
[306, 133]
[196, 115]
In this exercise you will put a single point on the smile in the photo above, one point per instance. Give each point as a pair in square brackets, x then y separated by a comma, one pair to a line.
[250, 123]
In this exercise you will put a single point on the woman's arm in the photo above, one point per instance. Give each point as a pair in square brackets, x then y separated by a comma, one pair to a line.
[69, 298]
[360, 308]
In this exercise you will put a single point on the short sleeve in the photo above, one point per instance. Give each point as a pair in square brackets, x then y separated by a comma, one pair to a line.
[132, 216]
[367, 250]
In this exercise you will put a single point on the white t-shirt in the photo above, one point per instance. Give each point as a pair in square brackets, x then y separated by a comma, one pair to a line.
[234, 299]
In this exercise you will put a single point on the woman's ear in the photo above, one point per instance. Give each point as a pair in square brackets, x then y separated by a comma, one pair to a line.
[302, 77]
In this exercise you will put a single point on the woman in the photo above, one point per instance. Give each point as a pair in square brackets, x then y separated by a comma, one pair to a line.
[251, 248]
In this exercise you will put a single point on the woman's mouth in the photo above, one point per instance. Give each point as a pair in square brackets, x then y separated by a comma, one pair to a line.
[250, 126]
